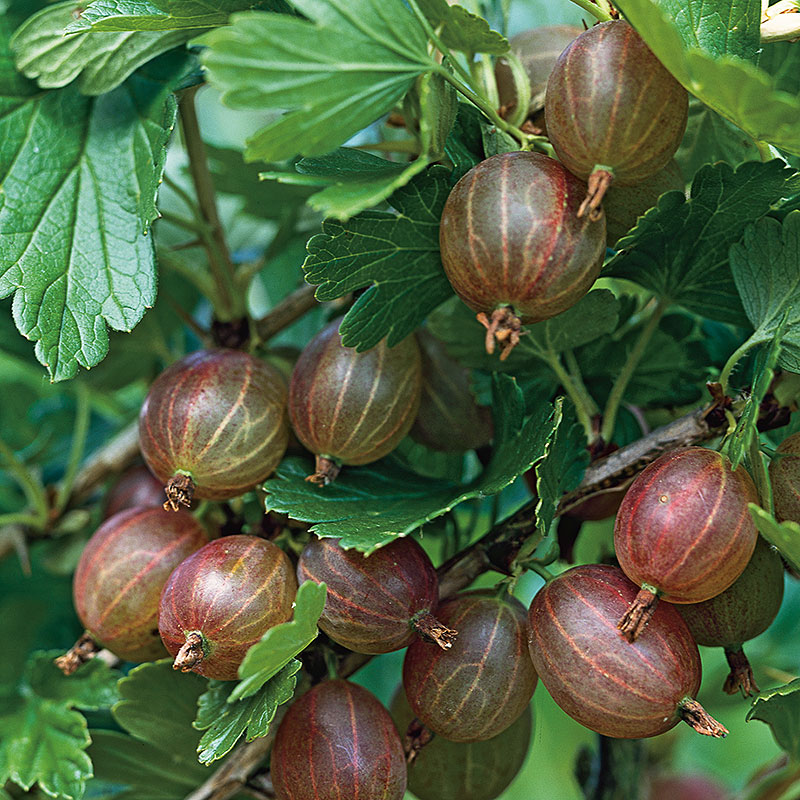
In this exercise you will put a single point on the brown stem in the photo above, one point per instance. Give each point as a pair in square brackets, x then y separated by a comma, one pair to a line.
[289, 310]
[638, 614]
[504, 329]
[599, 183]
[180, 491]
[219, 258]
[430, 629]
[741, 674]
[693, 714]
[191, 653]
[326, 471]
[84, 650]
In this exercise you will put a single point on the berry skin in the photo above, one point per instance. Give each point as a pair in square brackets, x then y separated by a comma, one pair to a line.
[683, 532]
[335, 742]
[512, 246]
[742, 612]
[613, 111]
[784, 474]
[135, 487]
[353, 408]
[376, 603]
[214, 425]
[444, 770]
[121, 573]
[613, 687]
[475, 690]
[449, 419]
[222, 600]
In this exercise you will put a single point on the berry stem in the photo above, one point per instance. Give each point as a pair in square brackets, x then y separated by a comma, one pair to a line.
[639, 612]
[693, 714]
[219, 259]
[289, 310]
[84, 650]
[628, 369]
[77, 447]
[32, 488]
[741, 674]
[191, 653]
[429, 628]
[731, 363]
[585, 406]
[595, 10]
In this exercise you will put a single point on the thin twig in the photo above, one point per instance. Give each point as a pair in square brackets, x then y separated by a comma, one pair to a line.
[289, 310]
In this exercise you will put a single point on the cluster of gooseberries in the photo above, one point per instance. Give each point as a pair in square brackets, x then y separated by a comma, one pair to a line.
[616, 646]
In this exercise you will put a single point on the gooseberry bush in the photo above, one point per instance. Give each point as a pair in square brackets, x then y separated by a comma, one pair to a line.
[399, 399]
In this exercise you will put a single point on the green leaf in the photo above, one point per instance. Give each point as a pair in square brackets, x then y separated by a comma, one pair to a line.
[367, 507]
[395, 255]
[679, 249]
[155, 15]
[75, 254]
[225, 722]
[710, 138]
[784, 535]
[730, 28]
[462, 30]
[780, 709]
[336, 72]
[92, 686]
[782, 61]
[42, 739]
[739, 91]
[766, 268]
[280, 644]
[157, 761]
[100, 62]
[43, 742]
[464, 145]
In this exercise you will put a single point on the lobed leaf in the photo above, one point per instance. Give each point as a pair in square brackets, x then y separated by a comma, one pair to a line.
[739, 91]
[766, 268]
[92, 686]
[462, 30]
[679, 249]
[784, 535]
[100, 62]
[336, 72]
[225, 722]
[367, 507]
[395, 255]
[279, 645]
[79, 179]
[780, 709]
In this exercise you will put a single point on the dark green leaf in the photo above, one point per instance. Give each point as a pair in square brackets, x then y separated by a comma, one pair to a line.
[76, 255]
[157, 15]
[780, 709]
[462, 30]
[369, 506]
[101, 62]
[225, 722]
[335, 77]
[782, 61]
[396, 255]
[464, 145]
[679, 249]
[784, 535]
[710, 138]
[739, 91]
[766, 268]
[280, 644]
[93, 686]
[43, 742]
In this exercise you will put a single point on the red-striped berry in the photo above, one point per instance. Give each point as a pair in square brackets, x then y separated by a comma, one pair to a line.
[222, 600]
[613, 111]
[376, 603]
[512, 245]
[611, 686]
[484, 682]
[135, 487]
[214, 425]
[784, 474]
[337, 741]
[684, 532]
[348, 407]
[122, 571]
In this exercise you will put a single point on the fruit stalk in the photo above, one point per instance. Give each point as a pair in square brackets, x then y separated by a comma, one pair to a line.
[697, 717]
[637, 616]
[84, 650]
[741, 674]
